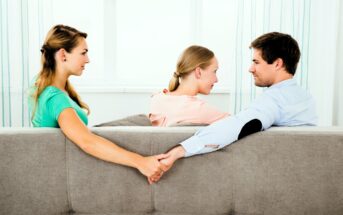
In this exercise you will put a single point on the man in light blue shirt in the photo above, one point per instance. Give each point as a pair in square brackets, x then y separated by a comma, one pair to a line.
[283, 103]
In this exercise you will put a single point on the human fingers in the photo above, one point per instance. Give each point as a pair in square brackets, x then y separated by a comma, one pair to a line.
[162, 156]
[150, 181]
[156, 178]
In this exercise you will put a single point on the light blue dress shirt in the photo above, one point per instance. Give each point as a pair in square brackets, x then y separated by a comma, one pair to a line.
[282, 104]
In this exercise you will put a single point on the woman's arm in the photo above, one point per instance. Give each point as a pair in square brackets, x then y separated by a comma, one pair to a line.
[99, 147]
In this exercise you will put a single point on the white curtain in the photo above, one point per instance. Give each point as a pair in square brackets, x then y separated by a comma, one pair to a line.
[23, 27]
[313, 23]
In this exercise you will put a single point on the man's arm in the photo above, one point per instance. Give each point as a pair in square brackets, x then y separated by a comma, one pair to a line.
[225, 132]
[180, 151]
[261, 115]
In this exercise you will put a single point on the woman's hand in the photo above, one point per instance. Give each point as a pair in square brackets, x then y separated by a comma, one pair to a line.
[168, 161]
[150, 166]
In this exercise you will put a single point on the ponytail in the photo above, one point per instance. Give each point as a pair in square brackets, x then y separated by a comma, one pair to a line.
[190, 59]
[174, 82]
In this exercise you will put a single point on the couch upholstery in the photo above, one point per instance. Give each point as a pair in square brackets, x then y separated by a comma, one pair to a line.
[275, 172]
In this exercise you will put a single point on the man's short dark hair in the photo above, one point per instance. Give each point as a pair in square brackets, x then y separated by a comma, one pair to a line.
[278, 45]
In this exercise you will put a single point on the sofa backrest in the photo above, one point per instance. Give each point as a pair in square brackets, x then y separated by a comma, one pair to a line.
[279, 171]
[33, 171]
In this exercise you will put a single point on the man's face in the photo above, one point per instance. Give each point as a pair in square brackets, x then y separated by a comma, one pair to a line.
[264, 73]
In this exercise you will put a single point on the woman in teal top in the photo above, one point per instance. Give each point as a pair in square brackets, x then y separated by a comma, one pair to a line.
[51, 102]
[55, 103]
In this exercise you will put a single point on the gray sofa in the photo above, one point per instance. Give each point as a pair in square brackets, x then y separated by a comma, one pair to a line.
[275, 172]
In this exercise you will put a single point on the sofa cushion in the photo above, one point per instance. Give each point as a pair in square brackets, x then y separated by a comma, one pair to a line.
[100, 187]
[181, 124]
[134, 120]
[33, 177]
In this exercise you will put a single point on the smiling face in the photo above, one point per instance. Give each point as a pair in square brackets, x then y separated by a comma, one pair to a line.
[208, 77]
[264, 74]
[77, 58]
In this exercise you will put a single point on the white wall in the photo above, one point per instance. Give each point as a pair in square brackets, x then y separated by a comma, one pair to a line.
[110, 105]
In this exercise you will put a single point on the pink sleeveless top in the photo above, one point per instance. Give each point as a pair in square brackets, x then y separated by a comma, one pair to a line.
[168, 110]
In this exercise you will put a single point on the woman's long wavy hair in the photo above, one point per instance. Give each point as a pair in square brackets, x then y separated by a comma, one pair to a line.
[191, 58]
[60, 36]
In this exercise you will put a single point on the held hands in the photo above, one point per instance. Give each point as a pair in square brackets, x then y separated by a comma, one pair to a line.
[167, 162]
[150, 166]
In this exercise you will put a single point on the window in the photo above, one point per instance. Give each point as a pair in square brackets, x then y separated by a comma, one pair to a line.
[135, 44]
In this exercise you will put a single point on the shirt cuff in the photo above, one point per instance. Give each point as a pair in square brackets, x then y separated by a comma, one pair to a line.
[192, 146]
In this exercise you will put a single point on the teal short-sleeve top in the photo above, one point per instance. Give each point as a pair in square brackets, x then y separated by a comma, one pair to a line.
[51, 102]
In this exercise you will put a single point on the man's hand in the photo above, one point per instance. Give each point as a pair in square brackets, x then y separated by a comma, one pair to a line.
[150, 166]
[168, 161]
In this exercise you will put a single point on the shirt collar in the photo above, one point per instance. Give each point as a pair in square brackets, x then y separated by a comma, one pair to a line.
[288, 82]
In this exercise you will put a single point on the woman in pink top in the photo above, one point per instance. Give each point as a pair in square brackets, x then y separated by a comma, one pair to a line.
[195, 73]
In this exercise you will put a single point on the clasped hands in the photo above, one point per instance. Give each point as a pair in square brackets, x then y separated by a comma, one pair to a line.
[153, 167]
[166, 161]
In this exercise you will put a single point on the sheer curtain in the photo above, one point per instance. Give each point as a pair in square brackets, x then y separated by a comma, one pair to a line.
[23, 25]
[313, 23]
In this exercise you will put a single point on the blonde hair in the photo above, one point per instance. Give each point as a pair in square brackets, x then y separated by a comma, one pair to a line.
[60, 36]
[191, 58]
